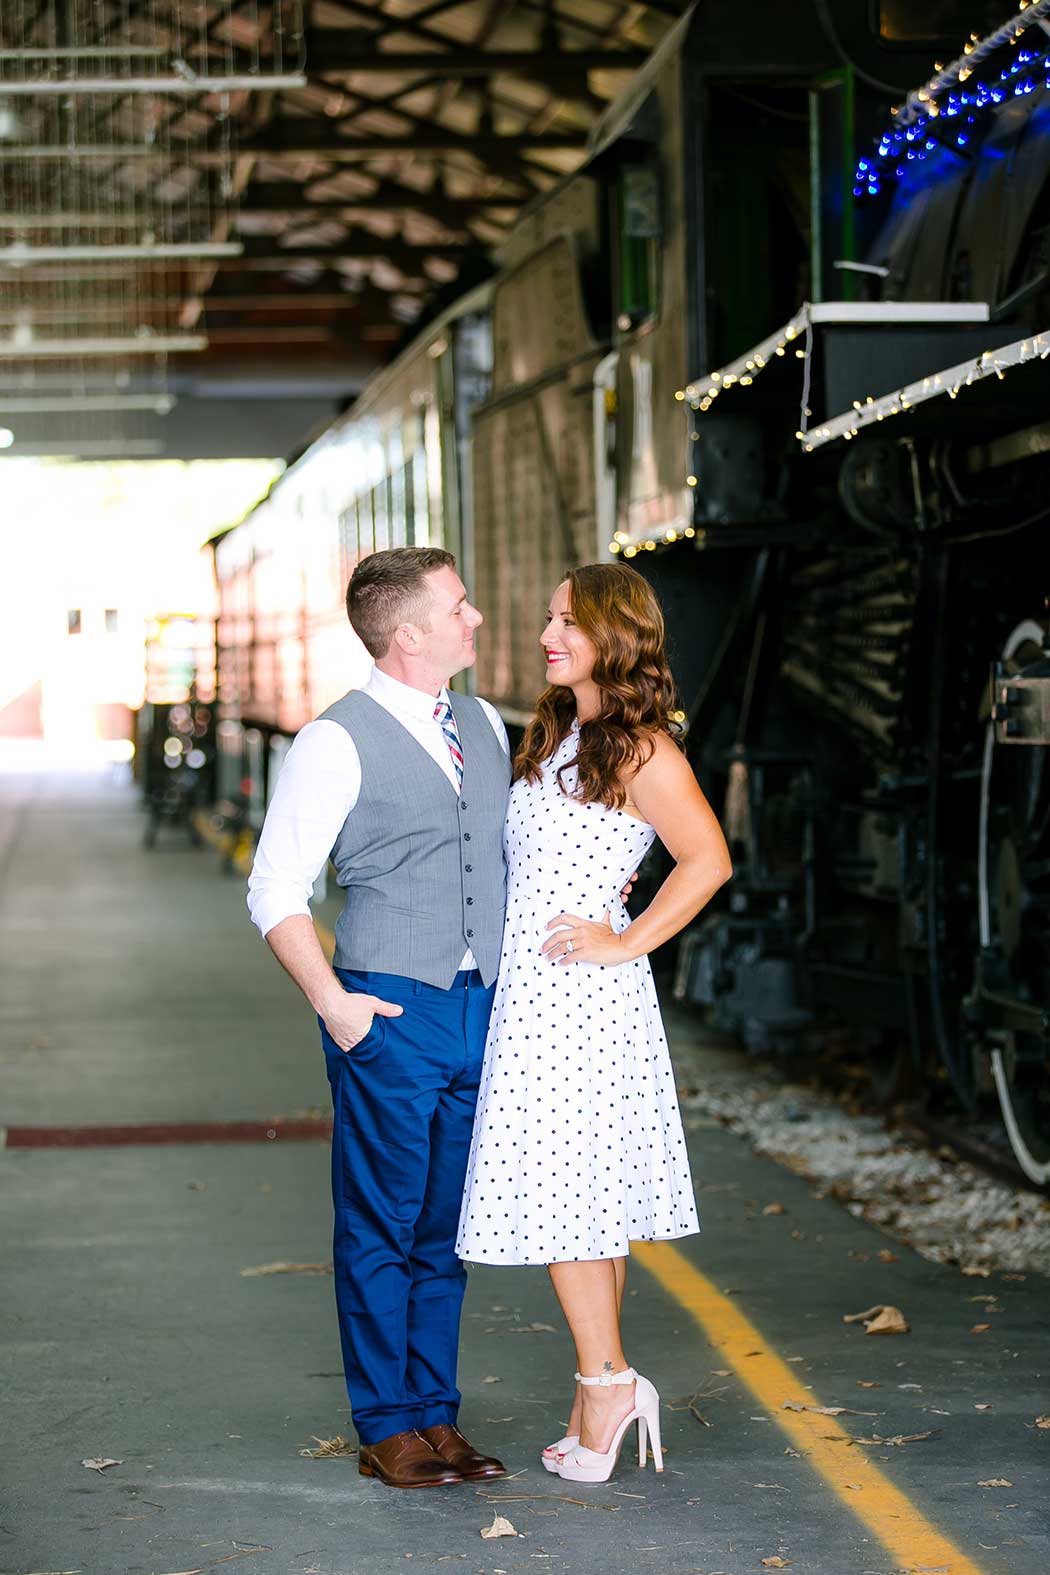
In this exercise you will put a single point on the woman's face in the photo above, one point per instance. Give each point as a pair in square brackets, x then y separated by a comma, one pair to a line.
[570, 654]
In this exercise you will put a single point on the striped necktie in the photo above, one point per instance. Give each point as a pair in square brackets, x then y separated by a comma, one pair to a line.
[443, 714]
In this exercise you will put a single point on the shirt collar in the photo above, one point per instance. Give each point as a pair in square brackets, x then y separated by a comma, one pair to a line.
[396, 696]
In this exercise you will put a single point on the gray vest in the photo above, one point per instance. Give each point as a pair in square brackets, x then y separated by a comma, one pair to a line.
[422, 866]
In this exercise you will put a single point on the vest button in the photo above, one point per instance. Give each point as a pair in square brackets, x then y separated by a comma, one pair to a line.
[466, 836]
[463, 803]
[470, 935]
[470, 902]
[469, 868]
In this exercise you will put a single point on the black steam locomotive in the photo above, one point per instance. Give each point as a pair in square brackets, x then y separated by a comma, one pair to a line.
[780, 343]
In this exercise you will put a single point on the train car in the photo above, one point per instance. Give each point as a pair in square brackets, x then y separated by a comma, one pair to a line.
[393, 472]
[780, 346]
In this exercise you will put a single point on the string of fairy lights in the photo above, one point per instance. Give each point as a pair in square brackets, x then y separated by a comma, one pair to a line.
[945, 113]
[795, 337]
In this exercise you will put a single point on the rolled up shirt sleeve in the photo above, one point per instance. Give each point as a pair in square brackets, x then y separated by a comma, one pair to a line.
[317, 788]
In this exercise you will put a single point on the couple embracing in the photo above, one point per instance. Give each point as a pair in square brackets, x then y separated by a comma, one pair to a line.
[502, 1087]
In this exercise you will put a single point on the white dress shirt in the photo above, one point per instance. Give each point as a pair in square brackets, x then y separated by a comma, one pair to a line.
[317, 788]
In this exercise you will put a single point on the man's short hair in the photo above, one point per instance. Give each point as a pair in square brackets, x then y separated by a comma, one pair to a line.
[389, 588]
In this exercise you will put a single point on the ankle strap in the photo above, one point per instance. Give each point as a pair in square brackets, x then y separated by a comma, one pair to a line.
[628, 1376]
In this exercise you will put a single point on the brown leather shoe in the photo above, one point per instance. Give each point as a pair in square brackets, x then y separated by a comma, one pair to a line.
[406, 1460]
[461, 1455]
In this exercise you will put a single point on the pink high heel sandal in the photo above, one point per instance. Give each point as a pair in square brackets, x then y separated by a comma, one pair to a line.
[588, 1465]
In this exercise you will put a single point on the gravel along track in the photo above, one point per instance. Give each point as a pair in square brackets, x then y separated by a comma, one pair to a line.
[945, 1208]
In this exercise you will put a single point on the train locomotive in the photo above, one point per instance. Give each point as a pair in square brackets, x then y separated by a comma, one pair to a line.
[781, 342]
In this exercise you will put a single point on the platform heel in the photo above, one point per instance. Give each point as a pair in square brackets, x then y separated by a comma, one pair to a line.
[588, 1465]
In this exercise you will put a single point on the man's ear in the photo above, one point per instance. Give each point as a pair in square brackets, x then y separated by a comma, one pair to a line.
[407, 638]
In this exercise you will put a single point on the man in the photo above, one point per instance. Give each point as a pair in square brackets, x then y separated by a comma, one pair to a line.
[406, 785]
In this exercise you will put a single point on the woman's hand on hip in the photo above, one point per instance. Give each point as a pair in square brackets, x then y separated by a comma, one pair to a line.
[579, 940]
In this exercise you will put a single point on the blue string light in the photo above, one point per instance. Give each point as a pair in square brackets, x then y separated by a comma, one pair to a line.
[912, 143]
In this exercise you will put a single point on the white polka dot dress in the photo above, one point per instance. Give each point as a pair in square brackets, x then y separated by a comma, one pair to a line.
[578, 1145]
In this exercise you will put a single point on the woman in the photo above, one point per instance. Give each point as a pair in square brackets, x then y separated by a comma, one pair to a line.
[578, 1143]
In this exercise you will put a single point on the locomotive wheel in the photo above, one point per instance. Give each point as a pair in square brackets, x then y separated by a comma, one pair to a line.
[1021, 1081]
[1014, 918]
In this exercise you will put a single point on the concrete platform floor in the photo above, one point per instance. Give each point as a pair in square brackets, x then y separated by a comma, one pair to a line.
[128, 1331]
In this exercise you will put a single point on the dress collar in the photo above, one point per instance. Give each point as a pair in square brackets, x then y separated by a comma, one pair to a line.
[396, 696]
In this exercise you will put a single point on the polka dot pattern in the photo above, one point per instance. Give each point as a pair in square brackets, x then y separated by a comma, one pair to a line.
[578, 1145]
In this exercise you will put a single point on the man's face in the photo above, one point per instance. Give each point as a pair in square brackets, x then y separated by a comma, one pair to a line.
[448, 644]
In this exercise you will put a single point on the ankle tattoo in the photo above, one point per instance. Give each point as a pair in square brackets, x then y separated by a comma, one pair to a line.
[607, 1367]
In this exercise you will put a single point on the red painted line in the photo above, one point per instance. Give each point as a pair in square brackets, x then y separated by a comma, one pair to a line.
[295, 1131]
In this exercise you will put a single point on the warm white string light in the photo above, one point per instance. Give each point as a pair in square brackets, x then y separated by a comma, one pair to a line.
[795, 338]
[993, 363]
[923, 101]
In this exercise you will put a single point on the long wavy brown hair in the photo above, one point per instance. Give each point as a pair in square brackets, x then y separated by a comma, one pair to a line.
[618, 612]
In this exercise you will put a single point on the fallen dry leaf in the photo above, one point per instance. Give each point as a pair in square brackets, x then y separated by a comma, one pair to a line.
[977, 1271]
[722, 1372]
[867, 1383]
[777, 1563]
[532, 1328]
[824, 1410]
[980, 1328]
[774, 1208]
[329, 1448]
[899, 1438]
[97, 1463]
[492, 1380]
[501, 1527]
[1042, 1421]
[996, 1482]
[285, 1268]
[982, 1405]
[886, 1256]
[879, 1320]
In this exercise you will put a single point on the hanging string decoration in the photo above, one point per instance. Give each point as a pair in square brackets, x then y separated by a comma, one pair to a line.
[795, 338]
[947, 111]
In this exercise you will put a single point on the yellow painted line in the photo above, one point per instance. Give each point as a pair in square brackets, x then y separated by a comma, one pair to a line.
[242, 862]
[903, 1530]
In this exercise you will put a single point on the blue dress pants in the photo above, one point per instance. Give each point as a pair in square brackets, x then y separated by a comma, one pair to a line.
[404, 1102]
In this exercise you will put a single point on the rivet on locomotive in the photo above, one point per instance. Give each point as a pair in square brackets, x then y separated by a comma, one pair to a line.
[781, 343]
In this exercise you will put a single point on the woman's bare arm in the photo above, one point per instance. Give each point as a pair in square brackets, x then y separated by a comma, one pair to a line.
[666, 794]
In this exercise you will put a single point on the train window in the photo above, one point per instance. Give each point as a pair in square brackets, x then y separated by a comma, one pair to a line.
[366, 541]
[639, 230]
[73, 621]
[420, 499]
[381, 514]
[112, 620]
[903, 22]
